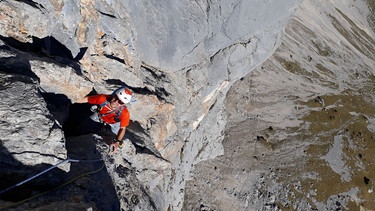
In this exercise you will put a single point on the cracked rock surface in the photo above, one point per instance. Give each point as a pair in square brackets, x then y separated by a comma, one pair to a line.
[239, 105]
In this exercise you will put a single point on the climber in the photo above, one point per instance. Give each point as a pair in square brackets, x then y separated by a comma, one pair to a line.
[108, 110]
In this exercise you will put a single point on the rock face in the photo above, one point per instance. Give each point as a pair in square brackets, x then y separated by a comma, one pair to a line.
[222, 89]
[300, 126]
[26, 124]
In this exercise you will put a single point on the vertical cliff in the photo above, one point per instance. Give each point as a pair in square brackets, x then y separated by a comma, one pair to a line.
[180, 59]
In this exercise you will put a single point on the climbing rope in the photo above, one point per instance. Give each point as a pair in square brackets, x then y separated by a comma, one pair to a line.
[43, 172]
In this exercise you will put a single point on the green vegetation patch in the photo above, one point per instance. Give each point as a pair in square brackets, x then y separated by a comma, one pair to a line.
[345, 116]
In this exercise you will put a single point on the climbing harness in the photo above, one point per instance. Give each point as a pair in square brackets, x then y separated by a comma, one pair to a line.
[118, 110]
[45, 171]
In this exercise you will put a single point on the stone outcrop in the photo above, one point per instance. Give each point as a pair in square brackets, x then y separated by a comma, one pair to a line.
[29, 134]
[180, 59]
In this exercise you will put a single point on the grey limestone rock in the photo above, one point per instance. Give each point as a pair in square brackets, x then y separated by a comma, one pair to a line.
[207, 76]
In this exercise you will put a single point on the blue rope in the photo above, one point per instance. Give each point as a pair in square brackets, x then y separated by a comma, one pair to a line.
[49, 169]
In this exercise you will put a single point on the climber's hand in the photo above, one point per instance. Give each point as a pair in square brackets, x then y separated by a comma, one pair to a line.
[113, 147]
[116, 144]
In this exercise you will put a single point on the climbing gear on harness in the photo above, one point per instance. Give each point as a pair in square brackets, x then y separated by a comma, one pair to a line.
[94, 108]
[96, 118]
[124, 94]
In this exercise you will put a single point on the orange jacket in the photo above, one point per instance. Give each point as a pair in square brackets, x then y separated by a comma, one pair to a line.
[103, 113]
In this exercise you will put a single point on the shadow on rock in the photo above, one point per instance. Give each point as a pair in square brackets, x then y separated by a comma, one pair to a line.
[12, 172]
[97, 188]
[78, 185]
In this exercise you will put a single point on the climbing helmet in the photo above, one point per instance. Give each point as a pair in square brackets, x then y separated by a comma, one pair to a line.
[124, 94]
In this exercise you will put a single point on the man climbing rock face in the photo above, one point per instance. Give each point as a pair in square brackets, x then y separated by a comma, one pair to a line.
[108, 110]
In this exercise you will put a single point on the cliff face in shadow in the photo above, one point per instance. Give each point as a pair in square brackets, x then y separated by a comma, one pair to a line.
[238, 105]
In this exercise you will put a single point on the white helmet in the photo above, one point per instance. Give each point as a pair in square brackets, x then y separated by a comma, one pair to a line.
[124, 94]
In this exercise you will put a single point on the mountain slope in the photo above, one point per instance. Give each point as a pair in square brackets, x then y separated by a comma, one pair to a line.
[300, 134]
